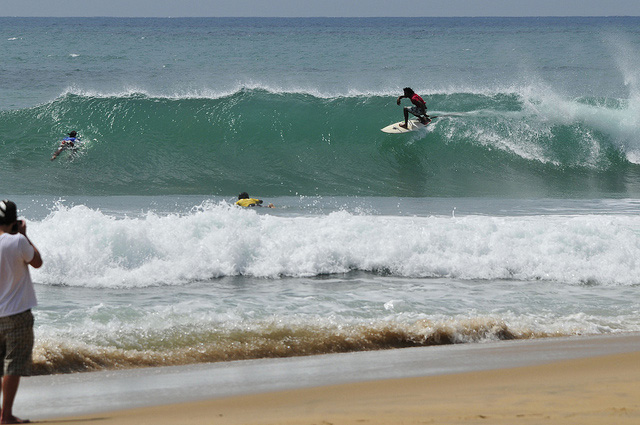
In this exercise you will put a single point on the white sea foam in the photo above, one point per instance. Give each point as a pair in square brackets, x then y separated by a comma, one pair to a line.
[86, 247]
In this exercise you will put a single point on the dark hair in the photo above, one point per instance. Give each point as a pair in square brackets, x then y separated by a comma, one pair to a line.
[73, 134]
[243, 195]
[408, 91]
[8, 212]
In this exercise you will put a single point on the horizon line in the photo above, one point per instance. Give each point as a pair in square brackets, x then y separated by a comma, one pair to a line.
[325, 17]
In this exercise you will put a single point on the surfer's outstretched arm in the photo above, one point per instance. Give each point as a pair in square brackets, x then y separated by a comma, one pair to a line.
[56, 153]
[63, 146]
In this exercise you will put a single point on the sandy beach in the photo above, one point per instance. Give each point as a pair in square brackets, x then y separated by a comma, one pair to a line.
[567, 381]
[603, 390]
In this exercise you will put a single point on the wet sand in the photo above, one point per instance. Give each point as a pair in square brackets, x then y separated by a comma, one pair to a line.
[582, 380]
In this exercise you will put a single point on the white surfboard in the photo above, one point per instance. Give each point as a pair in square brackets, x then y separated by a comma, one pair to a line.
[412, 125]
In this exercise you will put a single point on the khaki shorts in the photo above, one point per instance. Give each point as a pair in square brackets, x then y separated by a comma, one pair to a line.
[16, 344]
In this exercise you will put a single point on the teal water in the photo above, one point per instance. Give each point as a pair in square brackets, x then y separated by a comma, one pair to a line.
[281, 144]
[534, 107]
[513, 215]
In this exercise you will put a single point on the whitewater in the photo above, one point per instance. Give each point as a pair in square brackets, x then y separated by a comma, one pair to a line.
[514, 215]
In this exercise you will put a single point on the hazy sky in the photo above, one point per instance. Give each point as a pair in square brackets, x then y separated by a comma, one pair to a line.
[297, 8]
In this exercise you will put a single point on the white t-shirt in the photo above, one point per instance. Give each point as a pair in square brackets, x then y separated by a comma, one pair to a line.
[16, 288]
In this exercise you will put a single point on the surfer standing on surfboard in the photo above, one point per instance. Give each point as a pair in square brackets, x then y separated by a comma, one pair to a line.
[419, 108]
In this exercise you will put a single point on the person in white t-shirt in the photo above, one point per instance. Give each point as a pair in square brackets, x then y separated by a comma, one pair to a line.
[17, 298]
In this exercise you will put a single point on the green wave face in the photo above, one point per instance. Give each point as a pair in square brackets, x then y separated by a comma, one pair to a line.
[280, 144]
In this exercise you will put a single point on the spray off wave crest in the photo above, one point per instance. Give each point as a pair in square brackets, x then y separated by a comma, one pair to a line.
[528, 141]
[213, 94]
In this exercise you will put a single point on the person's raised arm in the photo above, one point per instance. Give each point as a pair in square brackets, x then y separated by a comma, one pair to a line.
[36, 261]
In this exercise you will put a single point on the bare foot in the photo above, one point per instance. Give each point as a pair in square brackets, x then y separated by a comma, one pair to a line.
[14, 420]
[402, 125]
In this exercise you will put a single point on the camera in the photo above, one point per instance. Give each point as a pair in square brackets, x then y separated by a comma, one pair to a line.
[16, 227]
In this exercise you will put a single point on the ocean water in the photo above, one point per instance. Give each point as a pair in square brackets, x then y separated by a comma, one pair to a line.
[513, 215]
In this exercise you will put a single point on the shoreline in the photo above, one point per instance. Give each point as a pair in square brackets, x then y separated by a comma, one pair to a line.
[591, 391]
[371, 378]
